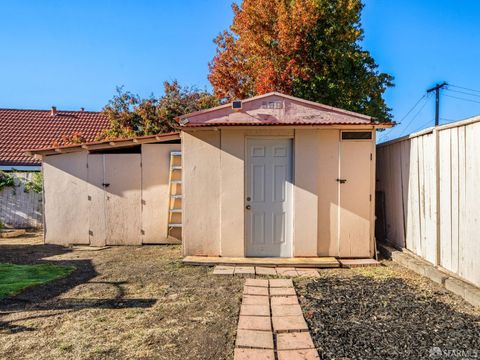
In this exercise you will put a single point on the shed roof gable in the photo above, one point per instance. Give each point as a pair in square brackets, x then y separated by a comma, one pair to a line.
[274, 109]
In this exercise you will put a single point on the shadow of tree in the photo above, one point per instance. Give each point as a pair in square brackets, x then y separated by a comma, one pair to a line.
[46, 296]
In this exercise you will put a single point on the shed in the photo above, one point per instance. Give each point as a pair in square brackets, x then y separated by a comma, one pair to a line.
[278, 176]
[111, 192]
[269, 176]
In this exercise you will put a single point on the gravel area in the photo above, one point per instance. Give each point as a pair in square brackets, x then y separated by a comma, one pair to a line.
[387, 312]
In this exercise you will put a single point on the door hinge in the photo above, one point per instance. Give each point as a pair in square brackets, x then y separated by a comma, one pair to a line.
[90, 232]
[371, 156]
[370, 197]
[142, 232]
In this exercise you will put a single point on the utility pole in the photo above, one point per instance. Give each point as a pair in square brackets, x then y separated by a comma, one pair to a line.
[437, 88]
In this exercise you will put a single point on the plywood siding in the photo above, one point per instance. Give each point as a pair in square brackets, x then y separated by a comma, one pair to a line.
[232, 199]
[123, 199]
[155, 195]
[214, 186]
[201, 196]
[96, 199]
[96, 206]
[66, 202]
[307, 168]
[409, 172]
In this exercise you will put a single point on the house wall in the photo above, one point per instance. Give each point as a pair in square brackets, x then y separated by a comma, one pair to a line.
[20, 208]
[430, 181]
[214, 178]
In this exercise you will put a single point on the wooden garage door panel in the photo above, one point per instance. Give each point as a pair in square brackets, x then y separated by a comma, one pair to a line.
[123, 199]
[115, 210]
[96, 199]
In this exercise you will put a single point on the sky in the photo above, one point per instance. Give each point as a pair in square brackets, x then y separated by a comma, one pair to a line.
[73, 54]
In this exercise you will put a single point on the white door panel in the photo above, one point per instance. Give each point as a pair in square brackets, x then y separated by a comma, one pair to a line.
[269, 220]
[354, 212]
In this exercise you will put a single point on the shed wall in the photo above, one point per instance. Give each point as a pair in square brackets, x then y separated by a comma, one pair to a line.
[79, 210]
[66, 202]
[155, 177]
[201, 193]
[214, 178]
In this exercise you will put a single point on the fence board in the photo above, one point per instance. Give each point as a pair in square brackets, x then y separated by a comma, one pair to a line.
[20, 208]
[408, 177]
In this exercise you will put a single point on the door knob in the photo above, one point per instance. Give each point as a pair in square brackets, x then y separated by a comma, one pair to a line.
[248, 207]
[342, 181]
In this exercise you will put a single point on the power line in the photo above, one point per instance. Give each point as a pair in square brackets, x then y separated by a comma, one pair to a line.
[389, 131]
[463, 92]
[418, 113]
[423, 97]
[464, 88]
[459, 98]
[413, 107]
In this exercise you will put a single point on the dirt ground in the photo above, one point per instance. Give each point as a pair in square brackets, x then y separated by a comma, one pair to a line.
[142, 303]
[387, 312]
[120, 303]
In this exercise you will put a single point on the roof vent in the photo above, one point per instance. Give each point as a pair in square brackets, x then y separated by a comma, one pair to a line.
[237, 105]
[183, 121]
[53, 112]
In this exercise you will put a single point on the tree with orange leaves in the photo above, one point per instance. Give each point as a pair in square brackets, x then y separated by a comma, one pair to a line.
[306, 48]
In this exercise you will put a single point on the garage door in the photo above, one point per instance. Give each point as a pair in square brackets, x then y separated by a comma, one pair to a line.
[115, 199]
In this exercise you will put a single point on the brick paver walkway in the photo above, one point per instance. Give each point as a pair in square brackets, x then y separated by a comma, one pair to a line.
[260, 270]
[271, 324]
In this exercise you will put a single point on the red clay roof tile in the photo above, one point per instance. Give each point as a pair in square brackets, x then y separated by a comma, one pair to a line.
[27, 129]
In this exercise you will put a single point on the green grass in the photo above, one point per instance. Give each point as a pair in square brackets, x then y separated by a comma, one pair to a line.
[16, 278]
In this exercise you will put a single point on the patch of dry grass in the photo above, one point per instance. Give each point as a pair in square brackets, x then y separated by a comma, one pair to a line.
[134, 303]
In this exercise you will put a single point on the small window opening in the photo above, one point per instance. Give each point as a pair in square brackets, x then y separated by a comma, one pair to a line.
[356, 135]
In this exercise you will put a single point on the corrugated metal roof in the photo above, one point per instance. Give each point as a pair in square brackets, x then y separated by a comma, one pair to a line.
[113, 143]
[275, 109]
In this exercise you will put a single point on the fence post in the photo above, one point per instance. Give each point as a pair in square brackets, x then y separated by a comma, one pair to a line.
[437, 196]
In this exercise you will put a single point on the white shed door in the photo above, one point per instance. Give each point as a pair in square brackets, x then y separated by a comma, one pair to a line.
[355, 198]
[268, 202]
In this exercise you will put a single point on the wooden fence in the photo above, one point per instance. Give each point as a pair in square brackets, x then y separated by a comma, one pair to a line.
[430, 184]
[20, 208]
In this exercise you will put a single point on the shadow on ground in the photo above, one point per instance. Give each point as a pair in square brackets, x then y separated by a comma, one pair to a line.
[46, 296]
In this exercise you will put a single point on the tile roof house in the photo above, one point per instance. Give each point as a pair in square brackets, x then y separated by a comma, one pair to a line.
[26, 129]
